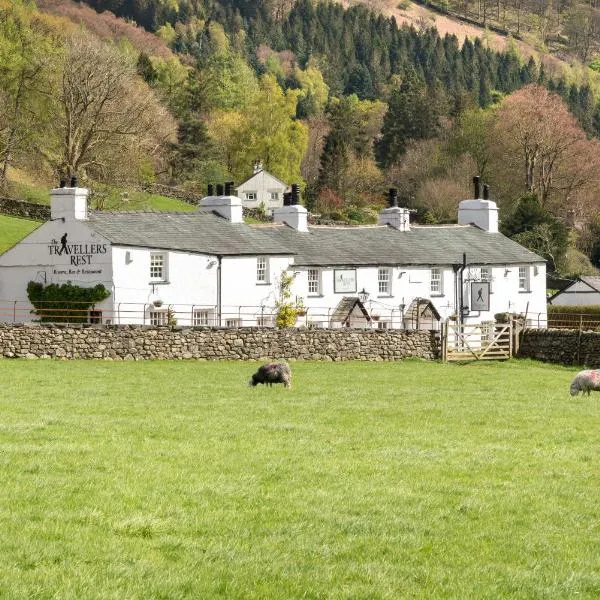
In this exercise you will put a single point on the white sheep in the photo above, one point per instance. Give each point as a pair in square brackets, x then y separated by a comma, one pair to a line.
[585, 381]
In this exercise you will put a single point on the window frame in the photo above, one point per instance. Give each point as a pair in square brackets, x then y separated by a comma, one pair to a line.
[314, 282]
[524, 279]
[387, 280]
[158, 318]
[438, 281]
[251, 196]
[153, 267]
[264, 270]
[487, 277]
[201, 314]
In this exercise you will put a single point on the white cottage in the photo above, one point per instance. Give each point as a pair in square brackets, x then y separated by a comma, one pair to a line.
[584, 291]
[262, 189]
[211, 268]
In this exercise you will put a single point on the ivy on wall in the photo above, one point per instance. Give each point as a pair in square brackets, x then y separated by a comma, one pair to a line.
[66, 303]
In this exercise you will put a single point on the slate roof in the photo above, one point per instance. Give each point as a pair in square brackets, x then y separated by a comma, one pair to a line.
[200, 232]
[383, 245]
[592, 281]
[345, 307]
[208, 233]
[237, 187]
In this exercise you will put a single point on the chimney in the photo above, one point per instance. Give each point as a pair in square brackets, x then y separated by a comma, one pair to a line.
[69, 203]
[393, 215]
[477, 186]
[226, 205]
[292, 213]
[257, 167]
[210, 190]
[481, 212]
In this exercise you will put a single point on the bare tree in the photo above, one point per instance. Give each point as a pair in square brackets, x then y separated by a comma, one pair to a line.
[537, 136]
[108, 121]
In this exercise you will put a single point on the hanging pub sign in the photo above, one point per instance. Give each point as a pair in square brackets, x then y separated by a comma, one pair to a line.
[480, 295]
[344, 281]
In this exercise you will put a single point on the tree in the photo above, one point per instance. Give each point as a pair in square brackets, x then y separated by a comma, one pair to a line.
[28, 55]
[413, 113]
[539, 138]
[103, 113]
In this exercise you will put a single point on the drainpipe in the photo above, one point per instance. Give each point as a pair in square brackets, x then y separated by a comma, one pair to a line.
[462, 285]
[219, 274]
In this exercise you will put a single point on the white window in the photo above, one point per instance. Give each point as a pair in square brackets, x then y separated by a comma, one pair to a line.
[382, 325]
[436, 282]
[523, 279]
[265, 321]
[275, 196]
[232, 323]
[158, 317]
[486, 275]
[314, 282]
[201, 318]
[250, 195]
[385, 281]
[158, 270]
[262, 265]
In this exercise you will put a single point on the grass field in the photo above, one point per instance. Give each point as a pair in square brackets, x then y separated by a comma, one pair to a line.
[13, 230]
[366, 480]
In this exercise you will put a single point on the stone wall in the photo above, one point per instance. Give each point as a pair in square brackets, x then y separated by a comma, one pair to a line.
[134, 342]
[566, 347]
[26, 210]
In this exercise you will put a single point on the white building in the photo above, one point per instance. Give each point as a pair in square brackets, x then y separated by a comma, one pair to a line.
[584, 291]
[262, 189]
[211, 268]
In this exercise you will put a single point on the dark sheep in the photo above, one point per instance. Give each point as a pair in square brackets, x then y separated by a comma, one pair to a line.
[271, 373]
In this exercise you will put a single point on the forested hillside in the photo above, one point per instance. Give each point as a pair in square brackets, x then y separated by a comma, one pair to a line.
[344, 101]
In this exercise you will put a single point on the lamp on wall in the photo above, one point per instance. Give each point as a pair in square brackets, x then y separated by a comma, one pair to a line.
[363, 295]
[506, 272]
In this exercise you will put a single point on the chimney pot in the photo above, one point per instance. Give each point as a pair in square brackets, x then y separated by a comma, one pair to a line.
[210, 190]
[287, 198]
[477, 187]
[295, 199]
[62, 183]
[393, 197]
[73, 181]
[486, 191]
[219, 189]
[228, 188]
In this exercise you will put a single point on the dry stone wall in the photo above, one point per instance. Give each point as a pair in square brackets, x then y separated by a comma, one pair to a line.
[27, 210]
[566, 347]
[123, 342]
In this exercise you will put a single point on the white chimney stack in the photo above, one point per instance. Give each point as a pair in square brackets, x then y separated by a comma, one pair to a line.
[226, 205]
[481, 212]
[292, 213]
[69, 203]
[393, 215]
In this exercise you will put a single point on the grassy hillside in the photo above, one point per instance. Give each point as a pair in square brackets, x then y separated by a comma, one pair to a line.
[13, 230]
[366, 480]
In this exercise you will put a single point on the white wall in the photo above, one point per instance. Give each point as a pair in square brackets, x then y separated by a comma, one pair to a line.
[263, 184]
[85, 260]
[578, 294]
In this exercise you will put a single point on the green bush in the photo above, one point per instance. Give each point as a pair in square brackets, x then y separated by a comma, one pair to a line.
[66, 303]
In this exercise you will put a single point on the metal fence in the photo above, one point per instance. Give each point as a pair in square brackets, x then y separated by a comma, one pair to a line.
[196, 315]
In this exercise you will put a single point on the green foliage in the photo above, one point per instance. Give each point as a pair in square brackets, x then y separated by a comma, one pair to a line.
[287, 311]
[531, 225]
[64, 303]
[584, 309]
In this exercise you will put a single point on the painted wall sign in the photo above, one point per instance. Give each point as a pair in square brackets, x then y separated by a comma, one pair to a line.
[344, 281]
[480, 295]
[78, 254]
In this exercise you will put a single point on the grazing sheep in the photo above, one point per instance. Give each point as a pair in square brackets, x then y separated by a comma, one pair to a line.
[585, 381]
[271, 373]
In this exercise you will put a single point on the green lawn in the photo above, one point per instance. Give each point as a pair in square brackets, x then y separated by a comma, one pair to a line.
[367, 480]
[12, 230]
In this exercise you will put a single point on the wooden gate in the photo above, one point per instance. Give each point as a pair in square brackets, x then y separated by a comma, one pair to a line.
[486, 341]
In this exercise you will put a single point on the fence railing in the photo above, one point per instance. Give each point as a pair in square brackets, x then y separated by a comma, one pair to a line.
[197, 315]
